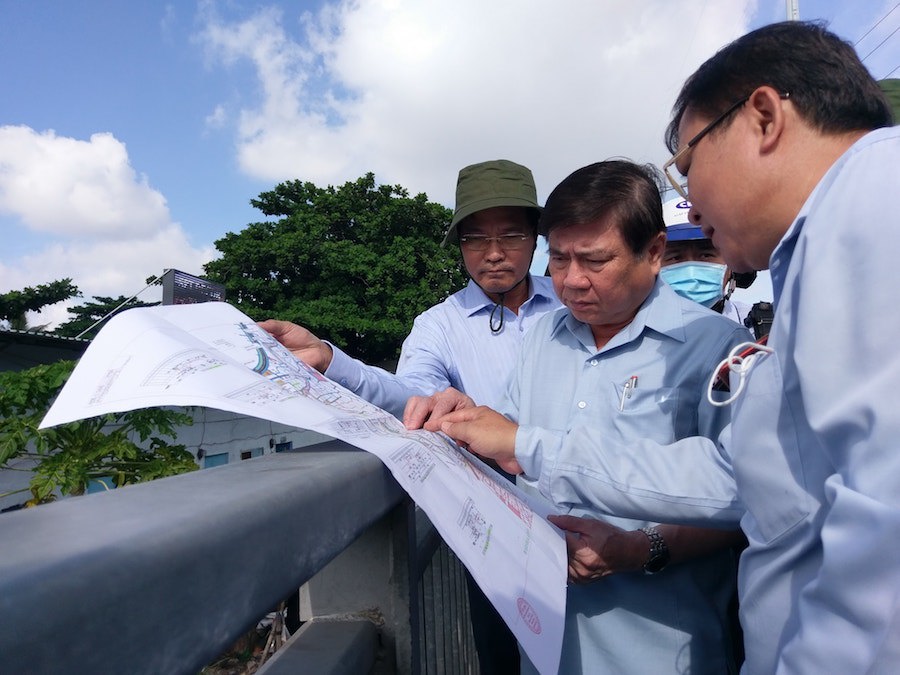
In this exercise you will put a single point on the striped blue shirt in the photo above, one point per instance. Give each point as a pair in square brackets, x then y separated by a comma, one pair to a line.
[450, 345]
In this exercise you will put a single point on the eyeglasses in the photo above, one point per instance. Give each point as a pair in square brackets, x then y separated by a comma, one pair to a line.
[681, 187]
[508, 242]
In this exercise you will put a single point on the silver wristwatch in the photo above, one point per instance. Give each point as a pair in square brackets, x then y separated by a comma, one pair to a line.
[659, 551]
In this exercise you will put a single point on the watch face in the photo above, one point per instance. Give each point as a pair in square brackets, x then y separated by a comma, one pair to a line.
[659, 552]
[656, 563]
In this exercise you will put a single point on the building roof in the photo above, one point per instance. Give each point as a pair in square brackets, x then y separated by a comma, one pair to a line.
[21, 349]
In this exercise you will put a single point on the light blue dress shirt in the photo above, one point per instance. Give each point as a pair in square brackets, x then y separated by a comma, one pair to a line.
[736, 310]
[811, 463]
[450, 345]
[674, 621]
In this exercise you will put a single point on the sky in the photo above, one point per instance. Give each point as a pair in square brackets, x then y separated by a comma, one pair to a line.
[133, 135]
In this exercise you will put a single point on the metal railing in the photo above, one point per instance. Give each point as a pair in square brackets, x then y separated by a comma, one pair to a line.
[163, 577]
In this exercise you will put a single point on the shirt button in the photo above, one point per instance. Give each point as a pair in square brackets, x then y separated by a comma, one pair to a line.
[593, 362]
[582, 405]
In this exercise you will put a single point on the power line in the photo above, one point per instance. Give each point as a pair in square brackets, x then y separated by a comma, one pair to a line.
[863, 59]
[876, 26]
[94, 325]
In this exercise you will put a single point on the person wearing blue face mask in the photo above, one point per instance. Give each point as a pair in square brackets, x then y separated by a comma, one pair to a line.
[695, 269]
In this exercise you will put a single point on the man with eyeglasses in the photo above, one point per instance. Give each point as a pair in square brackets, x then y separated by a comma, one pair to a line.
[629, 355]
[470, 341]
[495, 225]
[793, 165]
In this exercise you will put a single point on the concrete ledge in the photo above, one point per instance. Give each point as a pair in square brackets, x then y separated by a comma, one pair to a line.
[162, 577]
[327, 648]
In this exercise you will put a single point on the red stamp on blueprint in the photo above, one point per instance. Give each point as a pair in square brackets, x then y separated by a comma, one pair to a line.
[529, 616]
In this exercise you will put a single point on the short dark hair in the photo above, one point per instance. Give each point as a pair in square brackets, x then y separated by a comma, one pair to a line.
[829, 86]
[618, 188]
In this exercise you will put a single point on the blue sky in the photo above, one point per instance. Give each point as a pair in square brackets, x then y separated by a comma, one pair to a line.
[134, 134]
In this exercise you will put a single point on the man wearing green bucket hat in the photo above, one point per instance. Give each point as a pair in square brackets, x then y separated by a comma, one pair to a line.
[495, 226]
[470, 341]
[891, 89]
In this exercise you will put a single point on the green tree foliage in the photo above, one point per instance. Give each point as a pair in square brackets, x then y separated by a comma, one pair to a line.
[14, 304]
[86, 315]
[124, 447]
[354, 264]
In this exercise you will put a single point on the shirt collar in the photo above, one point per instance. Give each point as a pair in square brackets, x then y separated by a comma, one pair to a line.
[475, 300]
[660, 312]
[780, 260]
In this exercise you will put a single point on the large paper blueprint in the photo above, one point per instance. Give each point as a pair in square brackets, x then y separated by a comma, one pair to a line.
[212, 355]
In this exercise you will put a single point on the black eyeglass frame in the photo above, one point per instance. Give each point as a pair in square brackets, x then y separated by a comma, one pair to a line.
[513, 241]
[679, 188]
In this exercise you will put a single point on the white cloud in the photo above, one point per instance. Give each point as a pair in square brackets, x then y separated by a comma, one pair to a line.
[74, 188]
[217, 118]
[110, 268]
[108, 229]
[414, 89]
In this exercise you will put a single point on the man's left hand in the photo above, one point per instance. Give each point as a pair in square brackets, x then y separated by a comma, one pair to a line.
[598, 549]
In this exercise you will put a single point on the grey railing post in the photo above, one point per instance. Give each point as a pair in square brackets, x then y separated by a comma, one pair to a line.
[369, 580]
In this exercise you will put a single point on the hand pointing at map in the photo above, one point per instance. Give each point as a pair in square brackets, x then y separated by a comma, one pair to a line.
[486, 433]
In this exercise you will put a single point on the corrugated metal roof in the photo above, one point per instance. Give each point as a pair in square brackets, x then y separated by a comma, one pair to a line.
[31, 336]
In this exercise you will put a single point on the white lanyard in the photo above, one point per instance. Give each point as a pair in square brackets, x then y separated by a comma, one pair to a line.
[740, 361]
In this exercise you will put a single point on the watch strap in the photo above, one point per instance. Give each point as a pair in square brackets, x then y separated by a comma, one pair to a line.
[659, 551]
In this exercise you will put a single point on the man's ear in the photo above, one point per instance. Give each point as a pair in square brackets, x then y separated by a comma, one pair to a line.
[656, 249]
[767, 117]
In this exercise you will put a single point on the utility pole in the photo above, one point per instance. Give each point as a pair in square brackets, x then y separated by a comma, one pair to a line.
[793, 10]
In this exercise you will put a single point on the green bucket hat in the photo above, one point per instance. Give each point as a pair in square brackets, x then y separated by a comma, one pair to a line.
[891, 89]
[489, 184]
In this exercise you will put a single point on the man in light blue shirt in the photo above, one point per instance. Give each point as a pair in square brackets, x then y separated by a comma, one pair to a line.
[785, 124]
[629, 355]
[451, 343]
[470, 341]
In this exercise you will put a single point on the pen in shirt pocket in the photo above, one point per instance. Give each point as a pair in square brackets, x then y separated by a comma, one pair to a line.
[627, 389]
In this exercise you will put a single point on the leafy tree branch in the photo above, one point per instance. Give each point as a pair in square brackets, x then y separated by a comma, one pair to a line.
[129, 447]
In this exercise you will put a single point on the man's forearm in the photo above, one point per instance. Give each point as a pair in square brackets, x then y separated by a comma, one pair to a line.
[687, 543]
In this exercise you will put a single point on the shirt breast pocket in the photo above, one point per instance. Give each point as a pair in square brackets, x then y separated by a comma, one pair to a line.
[645, 412]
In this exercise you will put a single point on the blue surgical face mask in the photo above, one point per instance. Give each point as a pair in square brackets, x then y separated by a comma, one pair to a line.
[698, 281]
